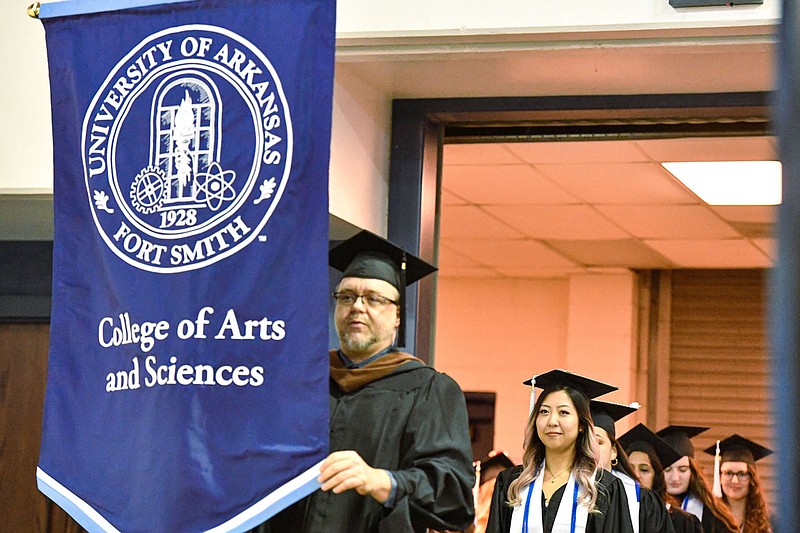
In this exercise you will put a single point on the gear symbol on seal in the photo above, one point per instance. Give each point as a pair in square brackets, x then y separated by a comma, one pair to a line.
[149, 190]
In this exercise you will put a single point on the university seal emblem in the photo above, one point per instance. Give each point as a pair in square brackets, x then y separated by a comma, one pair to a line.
[187, 148]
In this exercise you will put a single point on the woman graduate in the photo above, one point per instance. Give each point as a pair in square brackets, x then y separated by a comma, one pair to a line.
[647, 452]
[741, 487]
[687, 484]
[648, 512]
[559, 487]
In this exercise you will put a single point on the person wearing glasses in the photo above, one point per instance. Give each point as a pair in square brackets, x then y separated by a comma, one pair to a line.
[687, 484]
[741, 487]
[401, 457]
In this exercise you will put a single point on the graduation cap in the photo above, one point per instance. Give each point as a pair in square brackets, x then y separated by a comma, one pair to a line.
[605, 414]
[641, 439]
[738, 448]
[553, 379]
[496, 457]
[678, 438]
[366, 255]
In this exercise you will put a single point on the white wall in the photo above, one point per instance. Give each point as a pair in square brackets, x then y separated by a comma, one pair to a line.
[359, 169]
[26, 145]
[416, 18]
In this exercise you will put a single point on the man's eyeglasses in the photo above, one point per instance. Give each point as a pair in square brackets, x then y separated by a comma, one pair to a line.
[742, 476]
[371, 299]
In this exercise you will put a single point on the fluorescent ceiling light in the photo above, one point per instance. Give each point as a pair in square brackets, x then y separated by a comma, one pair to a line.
[731, 182]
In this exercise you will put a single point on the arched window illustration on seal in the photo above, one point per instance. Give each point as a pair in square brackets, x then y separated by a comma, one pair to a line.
[184, 173]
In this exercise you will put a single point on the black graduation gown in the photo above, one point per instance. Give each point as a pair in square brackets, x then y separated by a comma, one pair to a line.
[684, 522]
[653, 514]
[710, 523]
[412, 422]
[614, 516]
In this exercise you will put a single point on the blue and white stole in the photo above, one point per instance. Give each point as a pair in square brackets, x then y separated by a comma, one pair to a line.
[691, 504]
[634, 493]
[571, 516]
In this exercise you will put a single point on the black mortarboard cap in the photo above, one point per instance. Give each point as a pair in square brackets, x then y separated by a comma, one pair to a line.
[366, 255]
[678, 437]
[641, 439]
[497, 457]
[605, 414]
[591, 388]
[738, 448]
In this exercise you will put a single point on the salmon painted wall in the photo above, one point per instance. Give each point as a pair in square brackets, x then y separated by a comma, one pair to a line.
[493, 334]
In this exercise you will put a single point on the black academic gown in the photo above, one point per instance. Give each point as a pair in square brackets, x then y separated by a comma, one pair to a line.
[413, 423]
[614, 516]
[709, 522]
[653, 515]
[684, 522]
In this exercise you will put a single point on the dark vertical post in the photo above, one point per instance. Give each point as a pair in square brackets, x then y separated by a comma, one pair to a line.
[785, 283]
[412, 213]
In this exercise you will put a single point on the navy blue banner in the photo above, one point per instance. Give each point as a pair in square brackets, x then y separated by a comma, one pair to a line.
[188, 372]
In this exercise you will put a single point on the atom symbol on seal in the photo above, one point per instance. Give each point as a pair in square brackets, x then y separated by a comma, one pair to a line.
[215, 186]
[149, 190]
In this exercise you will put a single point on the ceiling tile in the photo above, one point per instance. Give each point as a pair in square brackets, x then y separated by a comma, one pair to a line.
[710, 149]
[747, 213]
[479, 154]
[567, 222]
[468, 272]
[768, 246]
[503, 184]
[730, 253]
[449, 198]
[619, 183]
[579, 152]
[537, 273]
[451, 258]
[628, 253]
[470, 222]
[505, 253]
[669, 222]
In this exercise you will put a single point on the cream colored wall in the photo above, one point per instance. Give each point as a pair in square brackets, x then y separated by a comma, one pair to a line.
[491, 335]
[359, 167]
[420, 18]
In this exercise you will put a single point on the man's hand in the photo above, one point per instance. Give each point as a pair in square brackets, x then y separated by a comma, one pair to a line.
[346, 470]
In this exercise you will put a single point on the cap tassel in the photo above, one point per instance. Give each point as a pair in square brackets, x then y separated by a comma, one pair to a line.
[717, 489]
[477, 487]
[401, 332]
[533, 395]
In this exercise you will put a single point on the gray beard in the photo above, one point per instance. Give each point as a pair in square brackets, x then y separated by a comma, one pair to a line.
[348, 343]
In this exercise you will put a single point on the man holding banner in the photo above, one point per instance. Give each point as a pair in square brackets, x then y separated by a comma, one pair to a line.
[401, 459]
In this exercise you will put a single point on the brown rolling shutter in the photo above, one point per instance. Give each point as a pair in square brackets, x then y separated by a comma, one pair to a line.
[719, 363]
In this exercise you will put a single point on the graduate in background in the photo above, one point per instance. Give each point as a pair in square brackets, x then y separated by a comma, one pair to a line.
[687, 484]
[559, 486]
[741, 487]
[648, 512]
[647, 453]
[490, 466]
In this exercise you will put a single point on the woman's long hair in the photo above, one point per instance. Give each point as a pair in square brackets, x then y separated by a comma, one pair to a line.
[585, 465]
[699, 487]
[756, 516]
[659, 484]
[623, 463]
